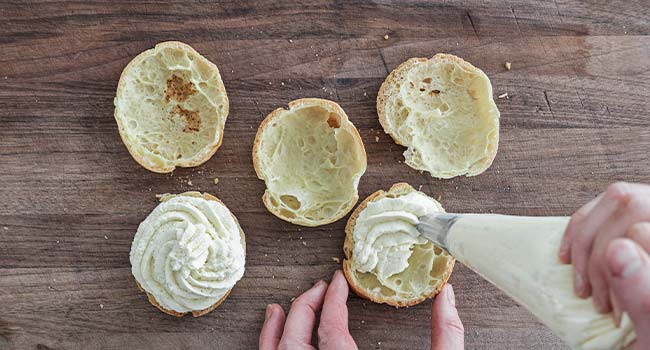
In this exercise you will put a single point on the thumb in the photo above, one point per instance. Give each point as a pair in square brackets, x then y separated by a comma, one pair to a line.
[447, 332]
[629, 266]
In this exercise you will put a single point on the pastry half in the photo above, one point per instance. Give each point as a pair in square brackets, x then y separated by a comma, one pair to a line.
[311, 158]
[443, 111]
[171, 107]
[188, 254]
[385, 259]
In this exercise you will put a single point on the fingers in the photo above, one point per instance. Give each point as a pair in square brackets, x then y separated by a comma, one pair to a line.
[302, 316]
[629, 266]
[585, 231]
[447, 332]
[593, 224]
[632, 209]
[272, 328]
[333, 330]
[576, 220]
[640, 233]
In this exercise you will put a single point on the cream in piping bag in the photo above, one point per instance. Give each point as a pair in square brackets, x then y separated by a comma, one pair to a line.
[519, 255]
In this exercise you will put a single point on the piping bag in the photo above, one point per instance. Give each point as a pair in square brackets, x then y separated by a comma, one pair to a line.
[519, 255]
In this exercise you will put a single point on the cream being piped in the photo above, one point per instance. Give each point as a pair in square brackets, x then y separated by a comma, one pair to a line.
[519, 256]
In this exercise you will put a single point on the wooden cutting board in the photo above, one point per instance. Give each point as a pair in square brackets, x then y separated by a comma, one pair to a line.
[576, 118]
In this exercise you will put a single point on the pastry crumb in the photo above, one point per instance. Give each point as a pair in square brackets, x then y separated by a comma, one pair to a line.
[292, 299]
[101, 306]
[282, 83]
[304, 243]
[57, 241]
[105, 237]
[376, 138]
[216, 180]
[503, 95]
[420, 188]
[365, 94]
[291, 41]
[189, 182]
[508, 65]
[5, 228]
[336, 259]
[386, 36]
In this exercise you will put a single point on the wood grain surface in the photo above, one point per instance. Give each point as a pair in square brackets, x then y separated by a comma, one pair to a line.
[577, 118]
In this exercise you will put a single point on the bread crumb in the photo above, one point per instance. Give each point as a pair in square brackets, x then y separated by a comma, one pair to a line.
[101, 306]
[105, 237]
[508, 65]
[363, 322]
[385, 36]
[5, 228]
[503, 95]
[273, 276]
[376, 138]
[292, 299]
[291, 41]
[216, 180]
[304, 243]
[420, 188]
[160, 195]
[336, 260]
[57, 241]
[365, 94]
[282, 83]
[189, 182]
[439, 198]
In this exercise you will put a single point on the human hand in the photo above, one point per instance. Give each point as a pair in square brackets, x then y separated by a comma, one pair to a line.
[296, 333]
[621, 211]
[613, 222]
[447, 332]
[629, 266]
[446, 328]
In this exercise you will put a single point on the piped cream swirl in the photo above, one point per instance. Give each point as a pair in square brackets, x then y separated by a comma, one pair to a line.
[188, 253]
[385, 234]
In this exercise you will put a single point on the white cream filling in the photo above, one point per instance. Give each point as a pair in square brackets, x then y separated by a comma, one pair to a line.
[188, 253]
[385, 234]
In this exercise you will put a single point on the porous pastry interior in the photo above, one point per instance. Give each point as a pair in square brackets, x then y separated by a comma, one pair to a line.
[443, 111]
[311, 160]
[171, 106]
[389, 260]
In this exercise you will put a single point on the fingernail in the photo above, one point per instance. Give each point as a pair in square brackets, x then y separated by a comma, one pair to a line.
[579, 284]
[319, 283]
[451, 296]
[564, 247]
[269, 312]
[627, 260]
